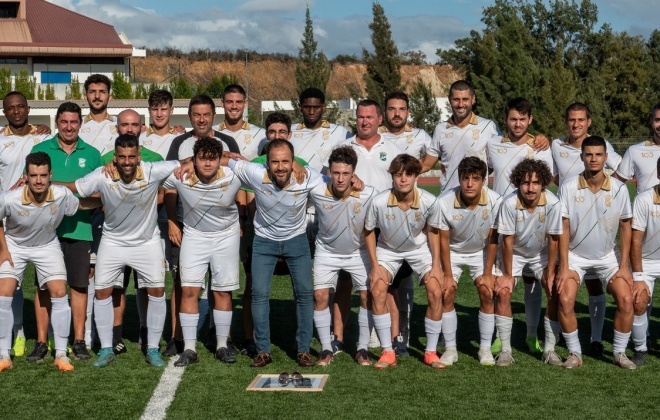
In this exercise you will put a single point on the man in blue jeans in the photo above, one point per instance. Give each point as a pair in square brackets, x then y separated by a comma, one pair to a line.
[280, 232]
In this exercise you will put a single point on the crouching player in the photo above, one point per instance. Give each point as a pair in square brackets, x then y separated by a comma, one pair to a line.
[407, 218]
[529, 223]
[211, 238]
[31, 215]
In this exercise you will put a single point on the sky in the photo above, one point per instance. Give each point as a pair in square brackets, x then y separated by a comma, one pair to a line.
[340, 26]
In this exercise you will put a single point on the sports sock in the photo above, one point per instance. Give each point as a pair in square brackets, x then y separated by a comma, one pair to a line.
[383, 323]
[222, 322]
[322, 320]
[90, 311]
[552, 331]
[60, 319]
[533, 303]
[504, 326]
[155, 320]
[365, 320]
[104, 316]
[619, 342]
[597, 306]
[141, 303]
[117, 332]
[486, 329]
[639, 327]
[189, 329]
[6, 324]
[433, 329]
[573, 342]
[449, 327]
[17, 309]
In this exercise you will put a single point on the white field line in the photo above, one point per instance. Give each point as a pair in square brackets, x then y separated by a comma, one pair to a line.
[164, 392]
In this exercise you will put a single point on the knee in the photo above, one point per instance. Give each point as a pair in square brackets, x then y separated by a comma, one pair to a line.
[566, 303]
[321, 297]
[157, 292]
[625, 302]
[434, 296]
[189, 293]
[58, 292]
[504, 296]
[379, 294]
[640, 307]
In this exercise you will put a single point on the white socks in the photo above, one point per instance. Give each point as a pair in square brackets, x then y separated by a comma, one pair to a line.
[573, 342]
[504, 326]
[620, 341]
[486, 329]
[433, 329]
[60, 319]
[365, 324]
[449, 327]
[383, 324]
[322, 320]
[189, 329]
[6, 324]
[552, 331]
[104, 316]
[639, 327]
[155, 320]
[222, 320]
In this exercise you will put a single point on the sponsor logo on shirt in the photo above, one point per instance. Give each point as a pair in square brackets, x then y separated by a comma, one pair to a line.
[383, 156]
[82, 162]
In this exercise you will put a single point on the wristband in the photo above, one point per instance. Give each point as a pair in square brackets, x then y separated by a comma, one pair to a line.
[638, 276]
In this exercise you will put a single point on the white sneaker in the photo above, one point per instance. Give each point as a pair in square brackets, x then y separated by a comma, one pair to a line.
[622, 361]
[504, 359]
[486, 357]
[449, 357]
[552, 358]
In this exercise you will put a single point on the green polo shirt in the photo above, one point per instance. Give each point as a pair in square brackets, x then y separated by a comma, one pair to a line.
[67, 168]
[146, 156]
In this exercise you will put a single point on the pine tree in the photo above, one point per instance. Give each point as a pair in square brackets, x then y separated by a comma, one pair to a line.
[312, 67]
[181, 88]
[74, 92]
[424, 111]
[25, 84]
[121, 88]
[5, 81]
[384, 64]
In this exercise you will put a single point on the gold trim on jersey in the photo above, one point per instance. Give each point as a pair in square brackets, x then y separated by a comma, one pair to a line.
[7, 131]
[194, 179]
[646, 143]
[530, 139]
[324, 124]
[28, 198]
[417, 198]
[383, 129]
[151, 131]
[474, 120]
[458, 202]
[656, 196]
[267, 180]
[328, 191]
[520, 206]
[88, 118]
[139, 174]
[245, 126]
[582, 183]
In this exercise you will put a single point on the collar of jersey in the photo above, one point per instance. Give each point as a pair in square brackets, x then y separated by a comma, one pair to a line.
[474, 120]
[646, 143]
[267, 180]
[88, 118]
[458, 202]
[223, 126]
[328, 191]
[530, 139]
[324, 124]
[8, 132]
[393, 202]
[28, 198]
[383, 129]
[194, 180]
[139, 174]
[520, 206]
[582, 183]
[566, 141]
[151, 131]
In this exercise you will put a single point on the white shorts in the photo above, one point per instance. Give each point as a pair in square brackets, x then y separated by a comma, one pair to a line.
[419, 259]
[651, 272]
[604, 267]
[528, 266]
[474, 262]
[147, 259]
[219, 250]
[327, 266]
[48, 261]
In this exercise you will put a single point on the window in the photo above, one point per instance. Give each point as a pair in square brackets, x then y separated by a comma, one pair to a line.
[55, 77]
[13, 60]
[9, 10]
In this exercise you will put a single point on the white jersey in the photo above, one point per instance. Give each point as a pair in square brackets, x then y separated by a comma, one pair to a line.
[640, 161]
[13, 150]
[187, 146]
[412, 141]
[530, 229]
[646, 218]
[130, 209]
[28, 224]
[208, 207]
[157, 143]
[280, 213]
[594, 218]
[373, 164]
[568, 162]
[100, 135]
[341, 221]
[402, 230]
[451, 143]
[504, 155]
[315, 146]
[249, 137]
[469, 228]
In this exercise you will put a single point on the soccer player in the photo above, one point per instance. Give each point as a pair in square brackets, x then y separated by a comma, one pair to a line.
[18, 137]
[566, 155]
[529, 222]
[341, 212]
[159, 135]
[407, 218]
[99, 128]
[639, 160]
[130, 238]
[31, 214]
[467, 221]
[644, 260]
[279, 225]
[594, 207]
[503, 155]
[249, 137]
[211, 238]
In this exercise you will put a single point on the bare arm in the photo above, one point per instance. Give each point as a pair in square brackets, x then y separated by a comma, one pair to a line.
[428, 161]
[89, 203]
[174, 230]
[4, 251]
[70, 185]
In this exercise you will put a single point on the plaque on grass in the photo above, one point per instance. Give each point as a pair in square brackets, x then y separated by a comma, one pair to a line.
[286, 382]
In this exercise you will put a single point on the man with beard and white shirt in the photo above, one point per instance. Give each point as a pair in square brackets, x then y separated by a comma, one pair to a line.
[98, 128]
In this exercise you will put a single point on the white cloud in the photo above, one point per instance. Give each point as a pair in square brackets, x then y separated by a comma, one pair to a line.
[273, 5]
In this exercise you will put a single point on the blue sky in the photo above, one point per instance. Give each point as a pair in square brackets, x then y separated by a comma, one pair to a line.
[340, 26]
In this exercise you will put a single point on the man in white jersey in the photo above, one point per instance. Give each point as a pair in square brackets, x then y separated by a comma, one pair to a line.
[130, 238]
[408, 222]
[31, 214]
[212, 236]
[341, 211]
[644, 257]
[566, 155]
[99, 128]
[467, 220]
[594, 208]
[529, 222]
[503, 155]
[279, 226]
[159, 135]
[17, 137]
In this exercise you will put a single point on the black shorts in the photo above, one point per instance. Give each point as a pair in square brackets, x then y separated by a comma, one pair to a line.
[76, 261]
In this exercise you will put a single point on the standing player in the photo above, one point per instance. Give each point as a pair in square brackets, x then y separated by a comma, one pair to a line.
[98, 129]
[211, 238]
[159, 135]
[594, 208]
[407, 218]
[31, 214]
[249, 137]
[566, 155]
[341, 211]
[467, 218]
[639, 161]
[529, 221]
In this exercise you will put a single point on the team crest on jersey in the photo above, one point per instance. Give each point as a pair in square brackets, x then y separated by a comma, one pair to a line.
[357, 207]
[418, 216]
[53, 209]
[296, 194]
[449, 135]
[608, 200]
[390, 216]
[9, 144]
[326, 135]
[383, 156]
[327, 206]
[520, 218]
[82, 162]
[475, 134]
[247, 139]
[541, 217]
[484, 214]
[24, 213]
[409, 138]
[113, 129]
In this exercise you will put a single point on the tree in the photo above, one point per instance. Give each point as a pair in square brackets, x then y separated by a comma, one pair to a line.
[74, 92]
[384, 64]
[5, 81]
[181, 88]
[49, 94]
[141, 91]
[121, 88]
[25, 84]
[312, 67]
[424, 110]
[216, 86]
